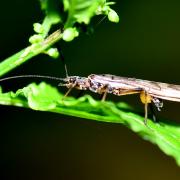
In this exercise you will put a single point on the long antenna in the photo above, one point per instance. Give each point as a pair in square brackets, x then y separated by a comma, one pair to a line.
[61, 53]
[32, 76]
[63, 59]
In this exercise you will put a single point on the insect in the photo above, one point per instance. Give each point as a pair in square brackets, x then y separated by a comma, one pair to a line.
[150, 91]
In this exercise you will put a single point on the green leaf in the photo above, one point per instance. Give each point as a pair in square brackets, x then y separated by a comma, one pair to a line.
[52, 14]
[47, 98]
[81, 11]
[51, 9]
[40, 97]
[77, 11]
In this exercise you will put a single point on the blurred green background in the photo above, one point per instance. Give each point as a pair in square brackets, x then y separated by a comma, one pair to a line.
[35, 145]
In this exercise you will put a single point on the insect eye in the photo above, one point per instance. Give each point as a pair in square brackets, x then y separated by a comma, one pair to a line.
[72, 80]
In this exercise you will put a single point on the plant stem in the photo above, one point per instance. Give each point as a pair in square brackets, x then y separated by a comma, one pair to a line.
[29, 52]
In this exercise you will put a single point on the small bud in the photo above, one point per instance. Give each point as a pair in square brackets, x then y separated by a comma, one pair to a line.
[53, 52]
[69, 34]
[38, 28]
[35, 39]
[113, 16]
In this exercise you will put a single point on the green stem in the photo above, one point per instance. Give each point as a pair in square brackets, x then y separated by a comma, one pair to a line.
[29, 52]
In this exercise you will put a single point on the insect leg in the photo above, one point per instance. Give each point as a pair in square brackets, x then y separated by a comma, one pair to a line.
[145, 99]
[144, 96]
[66, 94]
[104, 91]
[71, 86]
[104, 96]
[69, 90]
[146, 113]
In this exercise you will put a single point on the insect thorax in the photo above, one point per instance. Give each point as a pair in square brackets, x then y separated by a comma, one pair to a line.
[78, 82]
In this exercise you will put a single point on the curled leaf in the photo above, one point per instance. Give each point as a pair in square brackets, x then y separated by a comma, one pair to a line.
[166, 135]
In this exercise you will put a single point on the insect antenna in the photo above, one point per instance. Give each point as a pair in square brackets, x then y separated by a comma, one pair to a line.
[62, 59]
[43, 76]
[32, 76]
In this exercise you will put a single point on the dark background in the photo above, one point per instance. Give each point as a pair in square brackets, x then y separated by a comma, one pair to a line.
[35, 145]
